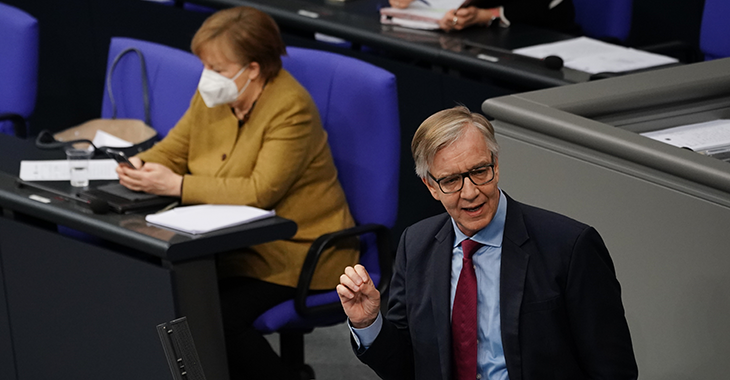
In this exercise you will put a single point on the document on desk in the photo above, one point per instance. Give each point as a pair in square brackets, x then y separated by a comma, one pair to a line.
[200, 219]
[58, 170]
[708, 138]
[593, 56]
[419, 14]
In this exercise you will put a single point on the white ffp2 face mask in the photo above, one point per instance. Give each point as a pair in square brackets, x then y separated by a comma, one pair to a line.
[216, 89]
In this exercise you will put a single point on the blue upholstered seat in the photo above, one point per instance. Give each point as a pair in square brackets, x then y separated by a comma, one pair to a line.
[18, 69]
[359, 109]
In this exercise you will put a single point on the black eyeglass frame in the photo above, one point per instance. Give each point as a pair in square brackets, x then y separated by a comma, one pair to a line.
[463, 175]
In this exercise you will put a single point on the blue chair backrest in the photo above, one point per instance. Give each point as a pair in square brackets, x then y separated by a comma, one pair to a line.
[602, 19]
[172, 75]
[715, 29]
[18, 63]
[358, 105]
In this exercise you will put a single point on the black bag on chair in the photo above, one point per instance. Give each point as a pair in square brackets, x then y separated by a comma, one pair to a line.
[138, 132]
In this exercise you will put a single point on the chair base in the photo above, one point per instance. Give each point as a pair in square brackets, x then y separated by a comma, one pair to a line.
[291, 344]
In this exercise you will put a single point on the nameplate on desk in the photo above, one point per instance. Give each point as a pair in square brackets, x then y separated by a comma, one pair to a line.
[487, 58]
[309, 14]
[58, 170]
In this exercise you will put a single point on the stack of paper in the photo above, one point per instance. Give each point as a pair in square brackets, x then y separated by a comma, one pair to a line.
[200, 219]
[593, 56]
[709, 138]
[419, 14]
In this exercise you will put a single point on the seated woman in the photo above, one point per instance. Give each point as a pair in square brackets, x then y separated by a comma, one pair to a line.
[550, 14]
[252, 136]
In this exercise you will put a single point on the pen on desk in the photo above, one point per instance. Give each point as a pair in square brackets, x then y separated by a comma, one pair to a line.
[425, 2]
[169, 207]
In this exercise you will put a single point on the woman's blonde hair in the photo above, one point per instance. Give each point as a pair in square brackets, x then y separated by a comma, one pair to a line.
[246, 35]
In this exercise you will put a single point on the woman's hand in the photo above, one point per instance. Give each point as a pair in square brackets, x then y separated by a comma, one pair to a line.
[150, 178]
[400, 3]
[463, 18]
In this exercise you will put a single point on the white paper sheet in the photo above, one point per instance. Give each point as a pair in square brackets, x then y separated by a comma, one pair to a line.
[57, 170]
[205, 218]
[419, 15]
[102, 138]
[593, 56]
[701, 137]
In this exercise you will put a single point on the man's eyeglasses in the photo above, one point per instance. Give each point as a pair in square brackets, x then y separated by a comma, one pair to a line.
[455, 182]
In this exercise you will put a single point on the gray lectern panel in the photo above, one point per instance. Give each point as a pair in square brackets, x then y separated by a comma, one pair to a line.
[604, 138]
[78, 311]
[670, 252]
[663, 211]
[656, 88]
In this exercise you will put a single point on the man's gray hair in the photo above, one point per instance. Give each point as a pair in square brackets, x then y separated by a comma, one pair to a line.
[442, 129]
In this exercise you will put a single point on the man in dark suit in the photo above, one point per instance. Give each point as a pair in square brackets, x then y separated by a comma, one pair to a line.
[492, 289]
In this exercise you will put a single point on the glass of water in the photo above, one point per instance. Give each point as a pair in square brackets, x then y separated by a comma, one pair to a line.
[78, 165]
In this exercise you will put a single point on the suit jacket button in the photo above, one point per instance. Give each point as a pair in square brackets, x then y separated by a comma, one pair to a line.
[223, 157]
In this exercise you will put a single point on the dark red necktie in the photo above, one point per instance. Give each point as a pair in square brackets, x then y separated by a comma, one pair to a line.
[464, 317]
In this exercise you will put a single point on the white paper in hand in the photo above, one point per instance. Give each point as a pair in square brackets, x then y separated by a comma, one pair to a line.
[200, 219]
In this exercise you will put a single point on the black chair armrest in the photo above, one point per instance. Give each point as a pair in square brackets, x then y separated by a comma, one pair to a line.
[385, 260]
[18, 124]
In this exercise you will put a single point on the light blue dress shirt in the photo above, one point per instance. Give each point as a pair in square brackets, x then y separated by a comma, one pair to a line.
[487, 261]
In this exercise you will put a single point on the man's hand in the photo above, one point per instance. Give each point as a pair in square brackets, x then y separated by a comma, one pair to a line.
[359, 297]
[151, 178]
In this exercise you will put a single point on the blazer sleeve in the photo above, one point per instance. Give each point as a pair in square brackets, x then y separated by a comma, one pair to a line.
[172, 151]
[598, 323]
[391, 354]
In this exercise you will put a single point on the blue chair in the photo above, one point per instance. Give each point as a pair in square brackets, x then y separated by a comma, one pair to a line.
[715, 29]
[172, 76]
[359, 109]
[198, 8]
[18, 69]
[604, 19]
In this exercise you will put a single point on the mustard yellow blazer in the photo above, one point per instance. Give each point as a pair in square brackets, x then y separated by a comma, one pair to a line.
[279, 159]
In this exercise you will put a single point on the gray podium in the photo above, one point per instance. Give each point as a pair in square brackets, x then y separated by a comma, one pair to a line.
[664, 212]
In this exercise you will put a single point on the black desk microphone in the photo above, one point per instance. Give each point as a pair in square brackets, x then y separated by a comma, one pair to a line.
[97, 206]
[553, 62]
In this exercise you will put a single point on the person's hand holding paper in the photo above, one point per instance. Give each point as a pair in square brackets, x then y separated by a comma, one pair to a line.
[447, 15]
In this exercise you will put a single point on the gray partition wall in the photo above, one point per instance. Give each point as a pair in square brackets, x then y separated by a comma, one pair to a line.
[664, 212]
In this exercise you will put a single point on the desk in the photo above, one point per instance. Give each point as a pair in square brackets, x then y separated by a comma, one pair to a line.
[359, 21]
[82, 310]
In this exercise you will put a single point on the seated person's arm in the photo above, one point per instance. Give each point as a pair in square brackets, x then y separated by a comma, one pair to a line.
[162, 176]
[282, 159]
[462, 18]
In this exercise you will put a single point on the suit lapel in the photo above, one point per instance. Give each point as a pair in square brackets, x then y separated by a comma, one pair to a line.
[440, 302]
[512, 285]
